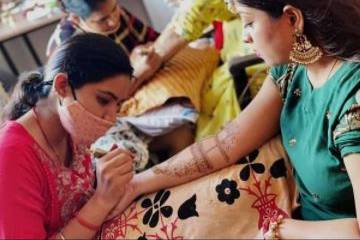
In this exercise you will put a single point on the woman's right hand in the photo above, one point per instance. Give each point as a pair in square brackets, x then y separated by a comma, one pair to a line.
[131, 193]
[113, 172]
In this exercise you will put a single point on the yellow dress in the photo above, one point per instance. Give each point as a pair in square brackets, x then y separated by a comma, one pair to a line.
[219, 102]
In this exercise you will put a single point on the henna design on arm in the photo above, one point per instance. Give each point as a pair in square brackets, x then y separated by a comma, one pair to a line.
[222, 151]
[199, 162]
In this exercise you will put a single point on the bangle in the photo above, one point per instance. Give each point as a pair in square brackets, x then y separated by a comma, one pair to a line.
[61, 235]
[86, 224]
[273, 232]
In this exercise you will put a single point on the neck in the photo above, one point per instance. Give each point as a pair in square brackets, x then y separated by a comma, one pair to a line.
[50, 122]
[46, 129]
[319, 66]
[320, 71]
[45, 126]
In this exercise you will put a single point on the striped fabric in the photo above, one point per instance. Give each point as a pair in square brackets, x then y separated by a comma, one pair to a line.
[182, 76]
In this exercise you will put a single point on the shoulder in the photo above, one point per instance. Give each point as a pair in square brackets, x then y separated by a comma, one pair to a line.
[282, 76]
[17, 152]
[347, 90]
[349, 78]
[22, 186]
[346, 102]
[12, 133]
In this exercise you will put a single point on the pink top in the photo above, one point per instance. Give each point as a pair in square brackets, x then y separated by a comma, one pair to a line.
[38, 195]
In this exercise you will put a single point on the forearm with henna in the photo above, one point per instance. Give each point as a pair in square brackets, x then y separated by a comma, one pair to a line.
[199, 159]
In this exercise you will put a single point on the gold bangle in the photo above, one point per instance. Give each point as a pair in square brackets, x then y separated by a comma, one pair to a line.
[274, 228]
[61, 235]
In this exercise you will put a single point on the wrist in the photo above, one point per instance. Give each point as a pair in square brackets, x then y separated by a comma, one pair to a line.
[87, 224]
[136, 185]
[103, 205]
[148, 182]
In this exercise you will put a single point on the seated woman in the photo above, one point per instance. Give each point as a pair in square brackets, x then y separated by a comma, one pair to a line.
[104, 17]
[46, 176]
[219, 102]
[110, 19]
[311, 98]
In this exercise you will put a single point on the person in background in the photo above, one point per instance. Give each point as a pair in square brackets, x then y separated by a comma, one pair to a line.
[46, 177]
[311, 98]
[108, 18]
[219, 102]
[105, 17]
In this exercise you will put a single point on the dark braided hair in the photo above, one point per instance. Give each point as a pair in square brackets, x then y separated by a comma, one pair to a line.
[85, 58]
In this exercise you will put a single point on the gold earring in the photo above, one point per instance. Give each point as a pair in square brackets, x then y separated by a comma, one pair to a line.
[303, 51]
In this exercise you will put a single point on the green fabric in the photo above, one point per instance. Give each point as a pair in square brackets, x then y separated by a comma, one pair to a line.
[218, 103]
[308, 122]
[191, 21]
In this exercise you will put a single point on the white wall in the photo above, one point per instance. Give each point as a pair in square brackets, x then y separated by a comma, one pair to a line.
[159, 13]
[137, 8]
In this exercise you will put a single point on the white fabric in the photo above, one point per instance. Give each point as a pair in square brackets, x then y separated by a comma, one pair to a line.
[124, 136]
[164, 119]
[4, 98]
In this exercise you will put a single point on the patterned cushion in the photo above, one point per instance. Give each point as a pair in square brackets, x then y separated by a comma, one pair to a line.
[231, 203]
[182, 76]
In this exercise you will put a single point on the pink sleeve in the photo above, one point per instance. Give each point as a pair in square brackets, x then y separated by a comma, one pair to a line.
[22, 202]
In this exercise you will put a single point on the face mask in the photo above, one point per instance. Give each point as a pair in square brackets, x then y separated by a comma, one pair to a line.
[83, 126]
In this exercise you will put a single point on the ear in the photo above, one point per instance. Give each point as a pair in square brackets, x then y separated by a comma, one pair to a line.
[294, 16]
[74, 19]
[61, 85]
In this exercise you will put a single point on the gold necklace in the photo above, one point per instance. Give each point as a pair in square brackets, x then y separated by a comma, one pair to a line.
[328, 76]
[332, 68]
[45, 136]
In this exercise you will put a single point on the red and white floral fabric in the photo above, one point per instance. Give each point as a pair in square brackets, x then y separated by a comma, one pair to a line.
[232, 203]
[39, 195]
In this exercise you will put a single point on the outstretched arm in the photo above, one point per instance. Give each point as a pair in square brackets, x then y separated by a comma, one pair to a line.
[247, 132]
[148, 59]
[187, 25]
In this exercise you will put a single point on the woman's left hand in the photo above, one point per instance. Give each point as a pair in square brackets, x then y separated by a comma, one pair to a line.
[145, 61]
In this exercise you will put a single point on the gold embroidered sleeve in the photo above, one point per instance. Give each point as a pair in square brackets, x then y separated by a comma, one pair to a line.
[284, 80]
[349, 122]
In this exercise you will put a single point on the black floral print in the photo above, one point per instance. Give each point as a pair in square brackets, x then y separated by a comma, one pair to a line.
[248, 161]
[278, 169]
[188, 209]
[156, 208]
[227, 191]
